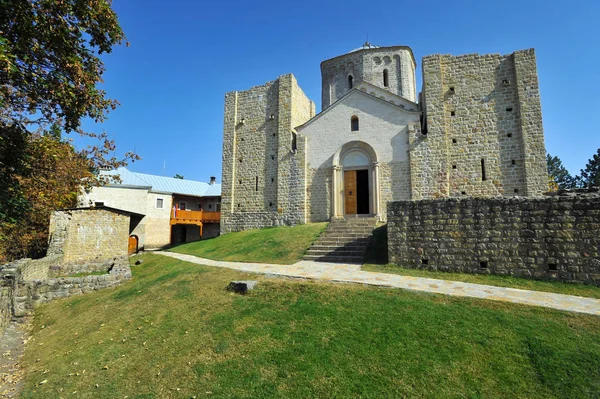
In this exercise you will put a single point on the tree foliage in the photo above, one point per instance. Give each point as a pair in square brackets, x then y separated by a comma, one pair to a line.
[50, 68]
[559, 176]
[590, 176]
[50, 179]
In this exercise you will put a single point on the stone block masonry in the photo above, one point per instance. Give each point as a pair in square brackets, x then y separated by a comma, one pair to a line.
[23, 285]
[483, 122]
[88, 234]
[263, 174]
[6, 300]
[552, 238]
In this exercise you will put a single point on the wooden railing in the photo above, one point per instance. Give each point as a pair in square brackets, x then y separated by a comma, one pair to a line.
[194, 217]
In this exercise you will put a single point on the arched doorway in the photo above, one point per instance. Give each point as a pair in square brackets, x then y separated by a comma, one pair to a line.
[355, 180]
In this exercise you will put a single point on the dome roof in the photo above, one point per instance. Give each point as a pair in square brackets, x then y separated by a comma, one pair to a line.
[365, 46]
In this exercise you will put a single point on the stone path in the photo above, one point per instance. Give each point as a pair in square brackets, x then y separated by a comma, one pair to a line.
[12, 346]
[347, 273]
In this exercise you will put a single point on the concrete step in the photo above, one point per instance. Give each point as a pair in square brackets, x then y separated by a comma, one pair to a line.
[335, 259]
[345, 234]
[345, 229]
[337, 242]
[344, 240]
[360, 254]
[334, 247]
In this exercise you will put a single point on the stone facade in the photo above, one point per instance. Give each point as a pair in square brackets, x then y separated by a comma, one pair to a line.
[476, 132]
[370, 64]
[154, 230]
[263, 164]
[483, 124]
[88, 234]
[544, 238]
[379, 145]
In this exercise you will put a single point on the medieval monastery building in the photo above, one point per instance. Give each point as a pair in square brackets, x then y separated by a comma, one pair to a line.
[475, 130]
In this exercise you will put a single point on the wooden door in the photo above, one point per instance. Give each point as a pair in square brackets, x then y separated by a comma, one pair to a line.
[132, 248]
[350, 192]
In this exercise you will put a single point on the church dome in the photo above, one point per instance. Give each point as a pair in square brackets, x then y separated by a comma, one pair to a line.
[365, 46]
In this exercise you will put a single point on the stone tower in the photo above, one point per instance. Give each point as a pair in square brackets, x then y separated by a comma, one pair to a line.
[483, 128]
[390, 68]
[263, 160]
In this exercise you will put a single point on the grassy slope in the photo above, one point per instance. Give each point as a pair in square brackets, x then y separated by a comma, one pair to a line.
[376, 260]
[282, 245]
[175, 332]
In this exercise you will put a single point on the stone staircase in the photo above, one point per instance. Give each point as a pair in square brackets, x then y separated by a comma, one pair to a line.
[343, 241]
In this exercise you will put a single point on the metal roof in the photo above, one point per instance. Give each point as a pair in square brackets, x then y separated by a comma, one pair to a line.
[165, 184]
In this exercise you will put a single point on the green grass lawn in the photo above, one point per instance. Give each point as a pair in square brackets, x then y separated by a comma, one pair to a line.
[174, 332]
[376, 260]
[282, 245]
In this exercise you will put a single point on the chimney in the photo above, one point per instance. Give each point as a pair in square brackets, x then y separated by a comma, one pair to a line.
[213, 180]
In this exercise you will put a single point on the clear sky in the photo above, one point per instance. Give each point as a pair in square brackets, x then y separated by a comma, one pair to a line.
[186, 54]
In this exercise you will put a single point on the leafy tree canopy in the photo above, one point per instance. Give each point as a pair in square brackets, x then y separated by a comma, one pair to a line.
[51, 179]
[559, 176]
[590, 176]
[49, 75]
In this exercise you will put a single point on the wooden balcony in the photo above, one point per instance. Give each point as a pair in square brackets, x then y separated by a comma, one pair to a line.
[194, 217]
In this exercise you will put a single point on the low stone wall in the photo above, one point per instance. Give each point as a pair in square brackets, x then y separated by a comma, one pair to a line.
[31, 293]
[6, 300]
[67, 269]
[555, 238]
[24, 284]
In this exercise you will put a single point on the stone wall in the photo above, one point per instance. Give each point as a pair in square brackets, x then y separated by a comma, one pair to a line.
[6, 300]
[261, 172]
[24, 284]
[368, 65]
[211, 230]
[552, 238]
[30, 293]
[484, 128]
[88, 235]
[131, 199]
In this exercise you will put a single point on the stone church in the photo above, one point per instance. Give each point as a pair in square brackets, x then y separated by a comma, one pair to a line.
[474, 130]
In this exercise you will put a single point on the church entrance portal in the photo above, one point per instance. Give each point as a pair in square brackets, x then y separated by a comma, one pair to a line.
[355, 180]
[356, 192]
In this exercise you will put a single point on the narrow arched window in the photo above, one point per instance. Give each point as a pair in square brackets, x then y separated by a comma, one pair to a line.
[354, 123]
[350, 81]
[386, 80]
[294, 142]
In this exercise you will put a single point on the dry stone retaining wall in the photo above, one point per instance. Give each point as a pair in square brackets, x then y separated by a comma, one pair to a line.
[555, 238]
[6, 299]
[24, 284]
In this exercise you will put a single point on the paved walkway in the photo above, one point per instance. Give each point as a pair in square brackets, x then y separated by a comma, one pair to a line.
[352, 274]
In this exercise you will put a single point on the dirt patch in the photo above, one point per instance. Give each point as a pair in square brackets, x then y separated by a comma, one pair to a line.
[12, 346]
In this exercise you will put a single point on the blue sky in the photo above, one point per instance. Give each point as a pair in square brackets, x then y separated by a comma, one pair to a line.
[186, 54]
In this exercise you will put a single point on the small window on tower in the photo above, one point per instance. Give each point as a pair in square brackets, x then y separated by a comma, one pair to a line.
[386, 81]
[294, 143]
[354, 123]
[350, 81]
